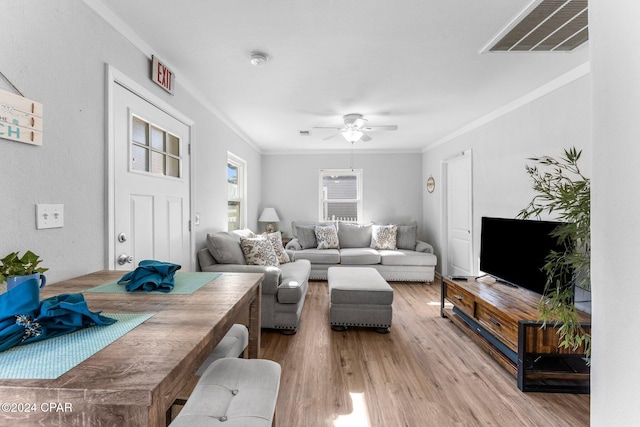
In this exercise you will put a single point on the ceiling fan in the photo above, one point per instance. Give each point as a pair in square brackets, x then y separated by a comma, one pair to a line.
[354, 128]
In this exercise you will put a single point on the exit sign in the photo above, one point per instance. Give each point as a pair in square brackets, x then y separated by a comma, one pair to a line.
[162, 75]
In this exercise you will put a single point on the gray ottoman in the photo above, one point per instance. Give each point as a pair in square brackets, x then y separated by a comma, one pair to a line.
[359, 296]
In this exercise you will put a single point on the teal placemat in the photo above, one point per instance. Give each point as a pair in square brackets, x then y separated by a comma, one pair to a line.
[51, 358]
[185, 283]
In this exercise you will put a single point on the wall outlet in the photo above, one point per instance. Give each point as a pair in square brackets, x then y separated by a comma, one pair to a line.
[49, 216]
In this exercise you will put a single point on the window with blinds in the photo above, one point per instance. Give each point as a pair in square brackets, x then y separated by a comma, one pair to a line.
[340, 195]
[236, 183]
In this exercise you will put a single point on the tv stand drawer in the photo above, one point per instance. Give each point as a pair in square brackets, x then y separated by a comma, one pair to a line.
[460, 298]
[504, 327]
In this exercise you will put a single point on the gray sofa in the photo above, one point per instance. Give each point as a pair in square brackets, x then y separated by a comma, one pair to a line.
[284, 287]
[411, 260]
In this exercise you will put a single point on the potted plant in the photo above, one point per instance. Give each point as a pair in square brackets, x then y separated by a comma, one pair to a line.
[563, 190]
[13, 265]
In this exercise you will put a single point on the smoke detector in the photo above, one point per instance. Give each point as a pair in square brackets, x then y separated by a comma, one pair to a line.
[258, 59]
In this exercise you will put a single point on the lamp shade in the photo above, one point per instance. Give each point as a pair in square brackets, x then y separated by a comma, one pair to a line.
[269, 215]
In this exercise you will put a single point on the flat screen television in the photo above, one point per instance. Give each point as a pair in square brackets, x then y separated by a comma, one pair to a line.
[514, 250]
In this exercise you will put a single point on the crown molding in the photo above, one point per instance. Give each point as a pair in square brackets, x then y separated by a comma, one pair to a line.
[566, 78]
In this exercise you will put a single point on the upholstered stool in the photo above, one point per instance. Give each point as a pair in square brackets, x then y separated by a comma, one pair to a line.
[359, 296]
[233, 344]
[233, 392]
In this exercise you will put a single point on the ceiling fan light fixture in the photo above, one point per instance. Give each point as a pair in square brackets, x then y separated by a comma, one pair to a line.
[352, 135]
[258, 59]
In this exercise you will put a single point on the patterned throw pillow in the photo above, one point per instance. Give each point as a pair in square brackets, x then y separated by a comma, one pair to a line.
[258, 251]
[276, 241]
[327, 237]
[384, 236]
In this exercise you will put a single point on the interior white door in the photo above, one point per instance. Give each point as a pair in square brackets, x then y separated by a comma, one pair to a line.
[459, 216]
[151, 179]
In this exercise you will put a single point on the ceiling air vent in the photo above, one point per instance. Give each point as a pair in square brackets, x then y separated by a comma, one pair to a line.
[547, 25]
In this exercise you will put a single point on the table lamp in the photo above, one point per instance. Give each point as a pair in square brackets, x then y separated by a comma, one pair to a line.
[269, 215]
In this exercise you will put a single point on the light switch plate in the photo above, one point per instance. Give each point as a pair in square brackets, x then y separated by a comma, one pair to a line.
[49, 216]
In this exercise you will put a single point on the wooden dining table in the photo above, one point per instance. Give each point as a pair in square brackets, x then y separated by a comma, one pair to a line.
[134, 380]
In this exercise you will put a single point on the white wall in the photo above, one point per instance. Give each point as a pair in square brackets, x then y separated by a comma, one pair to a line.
[615, 35]
[55, 53]
[391, 191]
[500, 149]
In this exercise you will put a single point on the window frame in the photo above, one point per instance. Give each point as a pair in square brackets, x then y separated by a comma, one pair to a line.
[241, 165]
[342, 172]
[149, 149]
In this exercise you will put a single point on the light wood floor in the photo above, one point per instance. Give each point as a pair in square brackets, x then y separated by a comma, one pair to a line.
[425, 372]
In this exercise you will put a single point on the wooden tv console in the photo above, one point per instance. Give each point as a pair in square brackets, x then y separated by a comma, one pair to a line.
[503, 320]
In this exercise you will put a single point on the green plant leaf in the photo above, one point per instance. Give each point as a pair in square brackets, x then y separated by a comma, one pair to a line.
[561, 189]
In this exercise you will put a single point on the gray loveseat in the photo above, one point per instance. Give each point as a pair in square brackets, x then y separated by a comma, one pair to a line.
[409, 259]
[284, 287]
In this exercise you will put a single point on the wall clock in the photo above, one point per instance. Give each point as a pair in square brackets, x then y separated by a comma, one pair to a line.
[431, 184]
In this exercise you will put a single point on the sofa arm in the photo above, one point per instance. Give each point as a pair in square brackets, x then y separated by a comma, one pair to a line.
[205, 258]
[423, 247]
[271, 274]
[293, 245]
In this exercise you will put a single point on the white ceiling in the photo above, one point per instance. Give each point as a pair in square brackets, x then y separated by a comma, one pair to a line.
[414, 63]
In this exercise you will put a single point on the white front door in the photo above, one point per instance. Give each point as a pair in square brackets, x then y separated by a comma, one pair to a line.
[459, 216]
[151, 184]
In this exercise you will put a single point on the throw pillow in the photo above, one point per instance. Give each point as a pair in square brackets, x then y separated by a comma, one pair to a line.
[384, 236]
[225, 248]
[306, 236]
[354, 235]
[276, 241]
[246, 233]
[407, 236]
[258, 251]
[327, 237]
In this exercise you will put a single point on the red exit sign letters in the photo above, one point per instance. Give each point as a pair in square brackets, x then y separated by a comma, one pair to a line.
[162, 75]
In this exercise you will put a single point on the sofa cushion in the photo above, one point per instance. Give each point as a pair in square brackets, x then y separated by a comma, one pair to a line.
[294, 275]
[307, 236]
[407, 236]
[326, 236]
[276, 241]
[359, 256]
[383, 236]
[225, 247]
[354, 235]
[319, 256]
[406, 257]
[259, 251]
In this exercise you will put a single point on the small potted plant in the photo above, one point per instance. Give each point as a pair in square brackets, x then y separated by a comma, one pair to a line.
[15, 269]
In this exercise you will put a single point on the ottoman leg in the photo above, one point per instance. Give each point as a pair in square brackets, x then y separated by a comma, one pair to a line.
[339, 328]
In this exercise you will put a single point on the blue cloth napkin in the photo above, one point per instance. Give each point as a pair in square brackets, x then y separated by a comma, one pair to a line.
[24, 319]
[150, 276]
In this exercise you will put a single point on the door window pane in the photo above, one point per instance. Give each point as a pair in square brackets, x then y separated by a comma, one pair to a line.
[173, 145]
[157, 163]
[140, 131]
[139, 158]
[157, 138]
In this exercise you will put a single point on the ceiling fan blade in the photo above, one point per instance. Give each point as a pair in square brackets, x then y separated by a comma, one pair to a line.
[365, 137]
[331, 136]
[377, 128]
